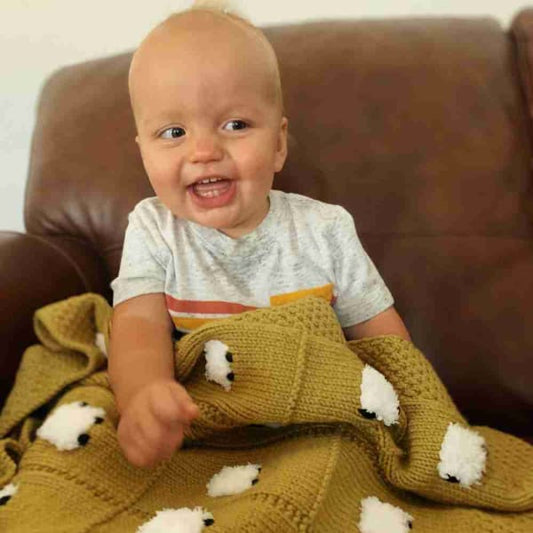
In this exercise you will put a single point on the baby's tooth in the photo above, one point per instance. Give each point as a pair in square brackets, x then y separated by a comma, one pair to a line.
[209, 180]
[210, 194]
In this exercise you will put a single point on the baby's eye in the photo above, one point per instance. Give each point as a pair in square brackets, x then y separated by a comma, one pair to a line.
[175, 132]
[235, 125]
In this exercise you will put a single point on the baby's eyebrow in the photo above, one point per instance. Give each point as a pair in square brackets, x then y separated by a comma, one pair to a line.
[149, 122]
[240, 111]
[160, 117]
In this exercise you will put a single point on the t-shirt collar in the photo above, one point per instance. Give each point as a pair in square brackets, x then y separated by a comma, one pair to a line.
[250, 243]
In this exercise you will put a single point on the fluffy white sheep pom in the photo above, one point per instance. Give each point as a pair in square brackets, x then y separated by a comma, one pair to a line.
[68, 422]
[8, 491]
[99, 340]
[218, 368]
[233, 480]
[381, 517]
[182, 520]
[378, 396]
[462, 456]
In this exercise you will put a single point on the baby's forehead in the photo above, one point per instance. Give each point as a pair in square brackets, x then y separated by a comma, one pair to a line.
[208, 34]
[196, 39]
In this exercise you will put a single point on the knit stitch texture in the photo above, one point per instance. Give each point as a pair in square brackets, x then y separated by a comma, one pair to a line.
[292, 367]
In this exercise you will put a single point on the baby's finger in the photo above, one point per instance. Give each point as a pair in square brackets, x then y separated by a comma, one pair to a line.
[158, 438]
[153, 432]
[140, 456]
[189, 408]
[133, 443]
[168, 408]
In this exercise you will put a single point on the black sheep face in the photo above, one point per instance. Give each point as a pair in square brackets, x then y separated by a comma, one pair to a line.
[7, 492]
[379, 400]
[463, 455]
[233, 480]
[218, 361]
[183, 519]
[377, 515]
[67, 427]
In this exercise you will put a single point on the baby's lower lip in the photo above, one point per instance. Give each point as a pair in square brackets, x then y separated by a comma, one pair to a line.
[215, 194]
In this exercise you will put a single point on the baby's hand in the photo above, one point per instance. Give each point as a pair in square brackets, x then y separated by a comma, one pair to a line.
[153, 423]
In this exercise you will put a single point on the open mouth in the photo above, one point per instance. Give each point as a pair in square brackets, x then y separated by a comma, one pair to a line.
[211, 192]
[211, 187]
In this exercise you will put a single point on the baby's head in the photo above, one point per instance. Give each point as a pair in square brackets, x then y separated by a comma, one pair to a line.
[206, 97]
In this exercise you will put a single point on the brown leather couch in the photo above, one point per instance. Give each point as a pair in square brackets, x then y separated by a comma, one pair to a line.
[420, 127]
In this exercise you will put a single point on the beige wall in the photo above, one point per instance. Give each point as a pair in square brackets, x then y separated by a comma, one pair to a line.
[38, 36]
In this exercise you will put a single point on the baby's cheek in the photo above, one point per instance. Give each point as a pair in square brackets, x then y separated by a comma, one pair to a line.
[160, 165]
[169, 186]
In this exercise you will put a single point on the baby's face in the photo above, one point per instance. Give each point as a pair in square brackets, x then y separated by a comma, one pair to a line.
[210, 132]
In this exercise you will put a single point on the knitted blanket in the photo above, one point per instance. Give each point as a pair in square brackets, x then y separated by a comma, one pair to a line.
[299, 431]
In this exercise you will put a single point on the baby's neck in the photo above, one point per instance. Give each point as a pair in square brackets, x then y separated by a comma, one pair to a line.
[241, 231]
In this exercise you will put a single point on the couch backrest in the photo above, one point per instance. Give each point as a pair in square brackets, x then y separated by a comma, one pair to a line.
[417, 126]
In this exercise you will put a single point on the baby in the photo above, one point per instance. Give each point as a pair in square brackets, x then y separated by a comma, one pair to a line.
[217, 240]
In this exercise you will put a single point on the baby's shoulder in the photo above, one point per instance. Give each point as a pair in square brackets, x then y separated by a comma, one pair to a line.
[151, 213]
[151, 207]
[153, 221]
[312, 212]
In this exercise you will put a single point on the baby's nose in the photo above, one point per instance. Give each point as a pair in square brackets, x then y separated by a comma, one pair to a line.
[204, 148]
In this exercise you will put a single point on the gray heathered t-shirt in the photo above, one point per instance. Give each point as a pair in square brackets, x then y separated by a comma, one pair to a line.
[302, 247]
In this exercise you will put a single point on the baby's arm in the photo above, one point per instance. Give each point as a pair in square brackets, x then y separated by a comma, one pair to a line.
[154, 408]
[387, 322]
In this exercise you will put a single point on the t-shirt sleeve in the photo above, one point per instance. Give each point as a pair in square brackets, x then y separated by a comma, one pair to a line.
[361, 291]
[144, 258]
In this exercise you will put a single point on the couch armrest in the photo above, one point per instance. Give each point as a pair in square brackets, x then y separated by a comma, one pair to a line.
[36, 271]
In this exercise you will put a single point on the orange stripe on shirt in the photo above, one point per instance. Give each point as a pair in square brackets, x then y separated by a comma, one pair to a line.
[326, 292]
[189, 323]
[186, 323]
[206, 307]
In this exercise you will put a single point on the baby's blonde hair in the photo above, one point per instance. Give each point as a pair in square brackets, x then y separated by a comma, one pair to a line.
[222, 6]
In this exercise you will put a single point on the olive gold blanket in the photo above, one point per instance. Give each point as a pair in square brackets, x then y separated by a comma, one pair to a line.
[345, 437]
